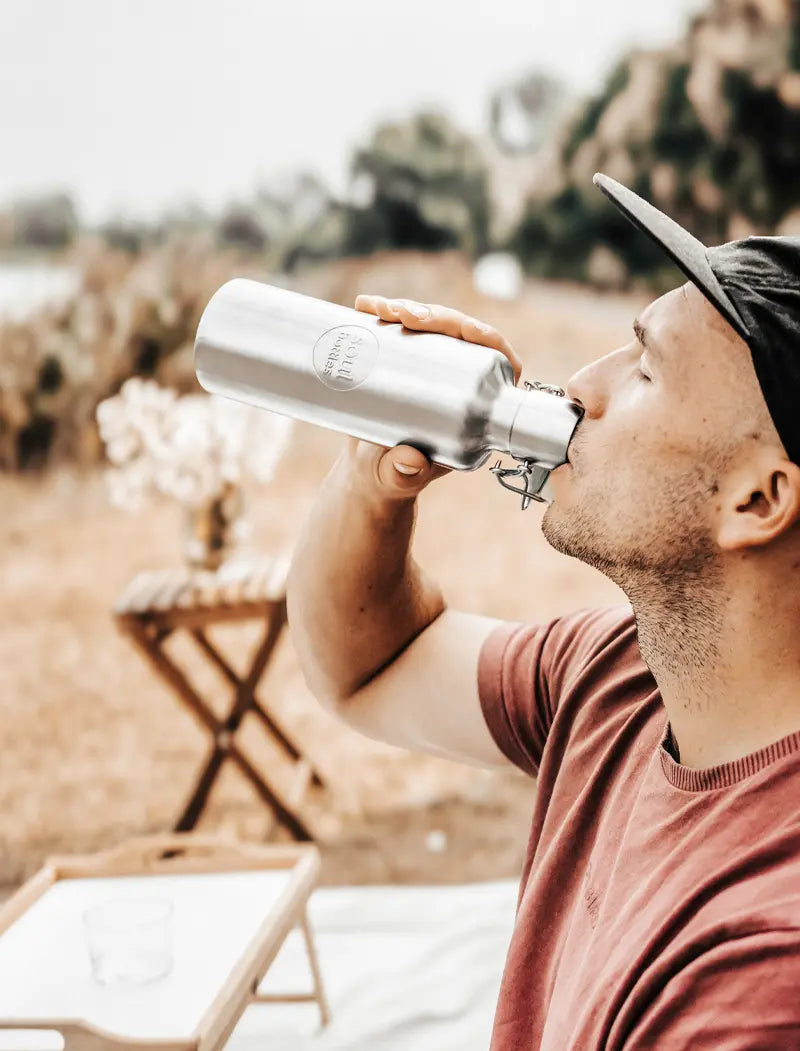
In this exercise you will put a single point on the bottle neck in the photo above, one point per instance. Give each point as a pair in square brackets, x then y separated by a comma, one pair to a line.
[502, 416]
[532, 425]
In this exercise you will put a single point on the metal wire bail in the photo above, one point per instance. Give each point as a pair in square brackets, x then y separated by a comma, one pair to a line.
[531, 473]
[546, 388]
[533, 477]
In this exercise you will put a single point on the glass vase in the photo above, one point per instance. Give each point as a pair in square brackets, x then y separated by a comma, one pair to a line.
[211, 529]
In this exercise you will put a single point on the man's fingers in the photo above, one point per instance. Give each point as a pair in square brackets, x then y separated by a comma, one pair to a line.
[428, 317]
[385, 309]
[376, 305]
[479, 332]
[365, 303]
[433, 317]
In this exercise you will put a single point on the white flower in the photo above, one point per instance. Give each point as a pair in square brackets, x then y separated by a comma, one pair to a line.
[187, 447]
[127, 487]
[123, 447]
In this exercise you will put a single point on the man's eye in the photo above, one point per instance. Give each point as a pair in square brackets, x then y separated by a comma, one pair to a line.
[645, 376]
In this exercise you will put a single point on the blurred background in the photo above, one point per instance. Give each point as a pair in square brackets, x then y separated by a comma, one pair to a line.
[430, 150]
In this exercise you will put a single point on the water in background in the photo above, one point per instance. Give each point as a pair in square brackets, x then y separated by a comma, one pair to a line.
[26, 286]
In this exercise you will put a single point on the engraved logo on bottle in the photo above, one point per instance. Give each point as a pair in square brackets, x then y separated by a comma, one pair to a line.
[344, 356]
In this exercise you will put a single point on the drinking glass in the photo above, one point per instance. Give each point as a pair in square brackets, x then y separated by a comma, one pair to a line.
[129, 940]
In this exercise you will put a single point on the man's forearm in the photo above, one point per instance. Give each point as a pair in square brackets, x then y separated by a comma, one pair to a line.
[355, 596]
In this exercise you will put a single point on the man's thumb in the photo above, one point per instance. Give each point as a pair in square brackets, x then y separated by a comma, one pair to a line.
[405, 469]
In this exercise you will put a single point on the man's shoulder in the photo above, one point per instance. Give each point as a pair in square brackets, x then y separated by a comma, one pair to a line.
[569, 652]
[593, 640]
[602, 679]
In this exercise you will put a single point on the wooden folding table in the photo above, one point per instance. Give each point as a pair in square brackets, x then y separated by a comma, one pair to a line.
[156, 605]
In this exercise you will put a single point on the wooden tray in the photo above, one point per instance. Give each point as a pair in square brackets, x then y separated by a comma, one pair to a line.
[233, 905]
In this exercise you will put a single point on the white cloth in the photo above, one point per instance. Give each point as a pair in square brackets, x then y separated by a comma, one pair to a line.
[405, 968]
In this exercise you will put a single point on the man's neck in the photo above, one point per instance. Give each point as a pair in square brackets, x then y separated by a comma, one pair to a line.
[728, 673]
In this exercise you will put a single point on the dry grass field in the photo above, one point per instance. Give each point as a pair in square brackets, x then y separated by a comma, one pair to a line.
[94, 748]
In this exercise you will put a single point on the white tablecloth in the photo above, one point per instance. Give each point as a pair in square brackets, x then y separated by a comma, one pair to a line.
[405, 969]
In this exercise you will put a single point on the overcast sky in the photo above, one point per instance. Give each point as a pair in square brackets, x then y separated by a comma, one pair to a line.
[135, 106]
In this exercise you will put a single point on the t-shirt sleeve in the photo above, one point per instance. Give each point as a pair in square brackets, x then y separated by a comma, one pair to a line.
[525, 669]
[743, 995]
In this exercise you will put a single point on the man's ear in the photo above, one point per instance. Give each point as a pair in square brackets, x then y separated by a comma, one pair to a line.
[761, 505]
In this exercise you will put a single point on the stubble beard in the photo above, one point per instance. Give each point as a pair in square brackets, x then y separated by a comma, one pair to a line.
[659, 551]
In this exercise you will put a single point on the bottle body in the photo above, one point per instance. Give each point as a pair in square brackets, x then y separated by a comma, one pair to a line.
[347, 370]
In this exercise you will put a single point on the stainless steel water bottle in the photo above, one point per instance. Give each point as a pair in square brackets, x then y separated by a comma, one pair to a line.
[345, 369]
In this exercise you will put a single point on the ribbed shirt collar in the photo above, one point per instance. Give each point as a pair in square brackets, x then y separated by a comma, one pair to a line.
[726, 774]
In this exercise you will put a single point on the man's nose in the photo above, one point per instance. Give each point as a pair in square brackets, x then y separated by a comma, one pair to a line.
[584, 388]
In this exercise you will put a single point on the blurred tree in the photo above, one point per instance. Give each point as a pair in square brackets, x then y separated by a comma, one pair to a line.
[291, 218]
[426, 186]
[794, 36]
[242, 227]
[186, 219]
[127, 235]
[587, 119]
[47, 222]
[709, 130]
[522, 114]
[312, 225]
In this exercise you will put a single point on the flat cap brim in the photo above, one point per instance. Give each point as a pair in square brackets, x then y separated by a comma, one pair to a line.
[685, 250]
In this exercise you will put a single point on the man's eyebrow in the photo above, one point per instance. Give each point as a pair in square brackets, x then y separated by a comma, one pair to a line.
[642, 335]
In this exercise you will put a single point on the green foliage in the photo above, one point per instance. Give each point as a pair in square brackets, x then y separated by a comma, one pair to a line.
[585, 125]
[132, 315]
[51, 375]
[126, 235]
[678, 134]
[557, 238]
[429, 189]
[239, 227]
[738, 154]
[793, 51]
[34, 441]
[765, 135]
[48, 222]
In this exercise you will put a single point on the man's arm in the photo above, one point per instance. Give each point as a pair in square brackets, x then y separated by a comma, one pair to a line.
[375, 640]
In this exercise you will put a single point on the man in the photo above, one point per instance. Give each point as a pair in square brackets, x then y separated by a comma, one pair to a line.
[660, 900]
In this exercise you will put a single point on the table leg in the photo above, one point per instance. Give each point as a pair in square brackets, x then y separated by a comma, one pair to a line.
[240, 686]
[243, 697]
[319, 991]
[245, 693]
[281, 737]
[219, 732]
[196, 803]
[318, 994]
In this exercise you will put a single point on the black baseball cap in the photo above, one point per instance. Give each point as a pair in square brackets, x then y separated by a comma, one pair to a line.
[754, 283]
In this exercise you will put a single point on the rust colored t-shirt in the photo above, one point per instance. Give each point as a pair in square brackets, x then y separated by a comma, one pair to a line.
[659, 905]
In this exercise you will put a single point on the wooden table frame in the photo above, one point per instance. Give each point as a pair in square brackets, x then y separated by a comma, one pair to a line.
[184, 853]
[149, 615]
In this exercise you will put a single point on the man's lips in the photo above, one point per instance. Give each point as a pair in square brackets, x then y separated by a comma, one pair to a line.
[571, 448]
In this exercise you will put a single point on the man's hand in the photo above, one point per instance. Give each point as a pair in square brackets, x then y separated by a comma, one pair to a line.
[403, 471]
